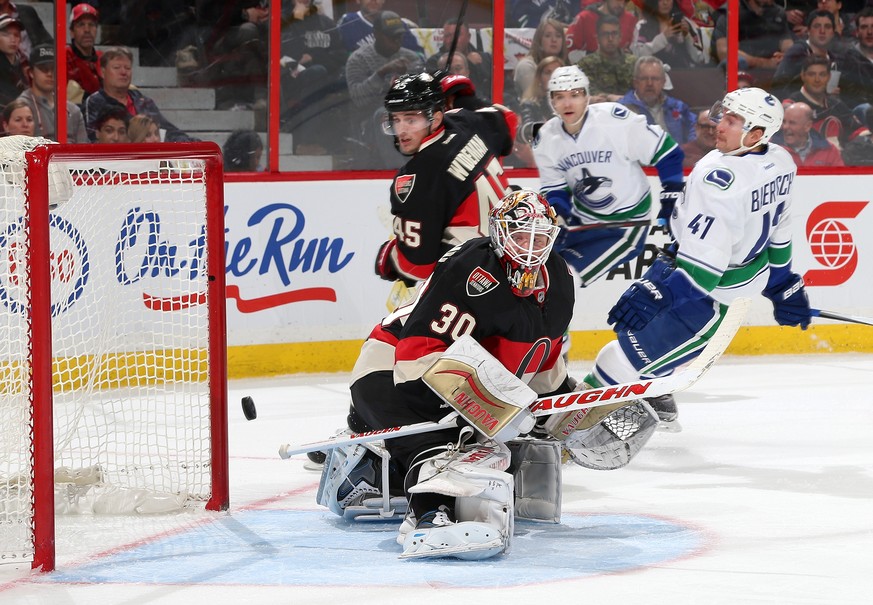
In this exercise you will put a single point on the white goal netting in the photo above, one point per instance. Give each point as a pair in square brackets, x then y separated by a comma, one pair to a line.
[130, 321]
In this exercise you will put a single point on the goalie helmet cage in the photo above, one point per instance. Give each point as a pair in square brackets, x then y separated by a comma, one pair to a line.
[113, 373]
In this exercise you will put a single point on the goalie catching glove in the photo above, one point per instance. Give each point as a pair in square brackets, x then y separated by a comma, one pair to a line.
[481, 390]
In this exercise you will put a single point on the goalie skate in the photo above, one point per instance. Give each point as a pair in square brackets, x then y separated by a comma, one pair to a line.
[436, 535]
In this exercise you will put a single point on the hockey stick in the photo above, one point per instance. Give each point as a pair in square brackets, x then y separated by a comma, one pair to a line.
[457, 33]
[840, 317]
[640, 222]
[568, 402]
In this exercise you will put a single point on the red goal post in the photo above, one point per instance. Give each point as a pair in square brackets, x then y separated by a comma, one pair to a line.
[113, 377]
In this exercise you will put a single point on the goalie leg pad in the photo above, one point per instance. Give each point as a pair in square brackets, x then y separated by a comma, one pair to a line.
[613, 442]
[350, 475]
[466, 540]
[483, 493]
[536, 471]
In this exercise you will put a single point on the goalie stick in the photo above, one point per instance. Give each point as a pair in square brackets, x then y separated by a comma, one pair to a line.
[840, 317]
[640, 222]
[576, 400]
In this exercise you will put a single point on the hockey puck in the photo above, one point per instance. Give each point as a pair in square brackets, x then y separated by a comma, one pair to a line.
[248, 406]
[317, 457]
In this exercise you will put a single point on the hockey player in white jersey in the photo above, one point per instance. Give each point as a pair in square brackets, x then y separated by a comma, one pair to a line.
[733, 230]
[590, 161]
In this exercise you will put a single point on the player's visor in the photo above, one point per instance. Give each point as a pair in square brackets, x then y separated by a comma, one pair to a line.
[406, 121]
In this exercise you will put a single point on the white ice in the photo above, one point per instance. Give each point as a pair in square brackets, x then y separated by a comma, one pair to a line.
[766, 496]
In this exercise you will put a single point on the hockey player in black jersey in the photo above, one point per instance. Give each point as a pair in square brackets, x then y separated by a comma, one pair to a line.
[441, 197]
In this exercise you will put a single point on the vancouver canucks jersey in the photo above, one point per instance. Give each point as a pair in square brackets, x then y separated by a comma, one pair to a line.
[601, 165]
[734, 223]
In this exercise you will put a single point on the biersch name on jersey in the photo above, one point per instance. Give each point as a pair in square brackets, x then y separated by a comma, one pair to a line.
[468, 157]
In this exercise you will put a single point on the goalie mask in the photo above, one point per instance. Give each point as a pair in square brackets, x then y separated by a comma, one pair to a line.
[523, 229]
[758, 108]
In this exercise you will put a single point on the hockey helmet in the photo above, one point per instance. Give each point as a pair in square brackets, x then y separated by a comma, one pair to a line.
[568, 77]
[415, 92]
[523, 228]
[757, 107]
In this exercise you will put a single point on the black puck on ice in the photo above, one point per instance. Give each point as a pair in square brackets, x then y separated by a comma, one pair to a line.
[248, 406]
[317, 457]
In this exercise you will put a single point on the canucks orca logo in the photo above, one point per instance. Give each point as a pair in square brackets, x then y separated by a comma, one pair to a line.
[586, 189]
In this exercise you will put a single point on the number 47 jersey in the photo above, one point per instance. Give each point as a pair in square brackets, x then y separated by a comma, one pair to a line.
[735, 221]
[442, 196]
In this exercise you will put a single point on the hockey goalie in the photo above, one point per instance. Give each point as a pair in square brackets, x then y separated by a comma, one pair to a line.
[480, 343]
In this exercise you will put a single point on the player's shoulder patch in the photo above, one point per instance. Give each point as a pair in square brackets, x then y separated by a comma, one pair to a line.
[721, 177]
[403, 185]
[620, 111]
[480, 282]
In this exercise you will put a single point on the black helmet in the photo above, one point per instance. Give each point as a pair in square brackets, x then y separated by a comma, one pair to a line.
[415, 92]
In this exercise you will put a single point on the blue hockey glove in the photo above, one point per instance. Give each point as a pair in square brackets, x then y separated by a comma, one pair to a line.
[790, 303]
[671, 194]
[639, 305]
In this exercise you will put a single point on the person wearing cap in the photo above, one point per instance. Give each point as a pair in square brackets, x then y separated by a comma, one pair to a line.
[356, 28]
[370, 71]
[12, 77]
[84, 75]
[33, 31]
[41, 98]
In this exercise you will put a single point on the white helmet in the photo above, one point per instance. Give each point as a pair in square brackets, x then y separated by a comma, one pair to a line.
[568, 77]
[758, 108]
[523, 228]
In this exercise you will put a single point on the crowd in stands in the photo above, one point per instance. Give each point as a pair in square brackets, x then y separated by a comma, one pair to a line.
[817, 57]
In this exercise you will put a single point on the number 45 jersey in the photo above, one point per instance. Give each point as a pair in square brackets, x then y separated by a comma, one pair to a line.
[735, 221]
[442, 196]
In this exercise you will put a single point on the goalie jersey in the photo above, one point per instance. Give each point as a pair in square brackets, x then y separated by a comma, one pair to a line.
[734, 227]
[600, 166]
[468, 294]
[443, 194]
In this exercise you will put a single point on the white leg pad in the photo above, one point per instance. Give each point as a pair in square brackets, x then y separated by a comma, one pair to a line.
[467, 540]
[483, 492]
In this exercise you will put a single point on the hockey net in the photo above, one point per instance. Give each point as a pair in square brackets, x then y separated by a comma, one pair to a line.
[112, 335]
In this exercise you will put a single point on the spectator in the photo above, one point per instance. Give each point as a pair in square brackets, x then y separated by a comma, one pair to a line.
[664, 32]
[356, 28]
[17, 118]
[745, 80]
[157, 27]
[582, 34]
[609, 68]
[796, 12]
[479, 62]
[864, 29]
[40, 97]
[242, 151]
[844, 25]
[806, 146]
[233, 36]
[313, 57]
[12, 77]
[548, 41]
[535, 109]
[84, 75]
[859, 150]
[117, 66]
[33, 32]
[110, 125]
[143, 129]
[370, 71]
[764, 35]
[528, 13]
[820, 25]
[648, 98]
[703, 143]
[831, 117]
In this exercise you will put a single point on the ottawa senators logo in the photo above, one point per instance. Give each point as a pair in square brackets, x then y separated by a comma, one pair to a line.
[480, 282]
[403, 186]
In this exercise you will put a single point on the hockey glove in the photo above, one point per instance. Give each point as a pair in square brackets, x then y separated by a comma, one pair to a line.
[384, 267]
[457, 85]
[671, 194]
[790, 303]
[639, 305]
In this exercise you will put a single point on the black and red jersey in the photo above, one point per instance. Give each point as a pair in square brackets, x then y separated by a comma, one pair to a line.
[469, 293]
[443, 194]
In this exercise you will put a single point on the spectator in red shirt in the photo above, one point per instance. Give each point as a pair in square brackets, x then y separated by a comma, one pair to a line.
[806, 146]
[582, 33]
[84, 74]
